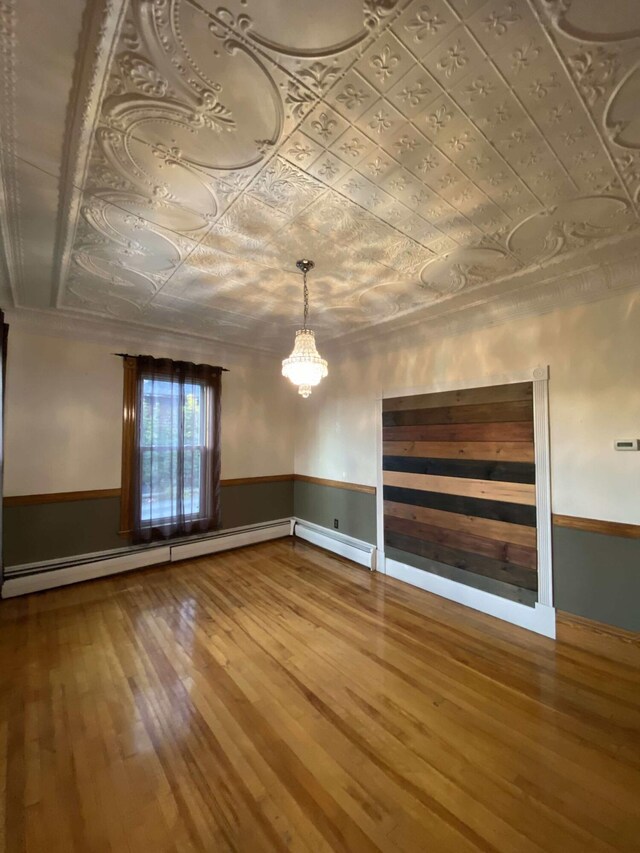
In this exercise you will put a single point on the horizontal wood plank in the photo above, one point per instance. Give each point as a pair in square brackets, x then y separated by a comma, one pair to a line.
[506, 552]
[476, 563]
[509, 451]
[507, 472]
[498, 510]
[466, 396]
[516, 410]
[520, 493]
[488, 528]
[506, 431]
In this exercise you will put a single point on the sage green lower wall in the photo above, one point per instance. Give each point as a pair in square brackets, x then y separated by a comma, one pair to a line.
[597, 576]
[355, 511]
[594, 575]
[40, 532]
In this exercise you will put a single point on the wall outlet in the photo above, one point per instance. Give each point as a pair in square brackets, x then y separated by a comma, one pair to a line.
[336, 523]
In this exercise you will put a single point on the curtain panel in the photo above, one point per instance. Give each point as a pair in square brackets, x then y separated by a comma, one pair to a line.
[171, 448]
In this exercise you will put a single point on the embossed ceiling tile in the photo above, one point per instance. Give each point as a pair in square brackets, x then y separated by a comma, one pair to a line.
[459, 140]
[156, 172]
[356, 187]
[399, 183]
[413, 93]
[501, 22]
[437, 117]
[473, 94]
[381, 121]
[385, 62]
[454, 58]
[466, 269]
[328, 168]
[418, 229]
[584, 19]
[284, 27]
[466, 8]
[377, 165]
[424, 160]
[405, 143]
[352, 147]
[253, 219]
[490, 218]
[622, 117]
[324, 125]
[351, 95]
[300, 149]
[84, 293]
[570, 226]
[423, 25]
[285, 187]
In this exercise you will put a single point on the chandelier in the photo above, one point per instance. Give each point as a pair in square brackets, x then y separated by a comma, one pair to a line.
[305, 367]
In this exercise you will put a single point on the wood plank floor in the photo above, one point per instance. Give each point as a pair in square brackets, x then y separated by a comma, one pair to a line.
[276, 698]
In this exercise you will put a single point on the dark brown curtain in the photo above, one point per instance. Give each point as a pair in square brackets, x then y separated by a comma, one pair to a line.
[4, 332]
[175, 451]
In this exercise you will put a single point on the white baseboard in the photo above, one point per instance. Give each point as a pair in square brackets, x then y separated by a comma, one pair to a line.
[235, 539]
[88, 567]
[23, 584]
[541, 618]
[339, 543]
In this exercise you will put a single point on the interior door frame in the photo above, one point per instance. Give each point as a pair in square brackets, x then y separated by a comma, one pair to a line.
[540, 618]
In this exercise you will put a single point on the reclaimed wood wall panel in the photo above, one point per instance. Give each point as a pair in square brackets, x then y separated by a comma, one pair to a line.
[464, 397]
[507, 431]
[475, 469]
[488, 528]
[459, 480]
[509, 451]
[518, 410]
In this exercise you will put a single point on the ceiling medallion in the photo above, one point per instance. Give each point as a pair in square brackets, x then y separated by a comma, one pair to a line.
[305, 367]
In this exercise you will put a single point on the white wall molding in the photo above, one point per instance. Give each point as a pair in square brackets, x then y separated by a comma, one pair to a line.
[539, 377]
[40, 576]
[363, 553]
[541, 619]
[528, 375]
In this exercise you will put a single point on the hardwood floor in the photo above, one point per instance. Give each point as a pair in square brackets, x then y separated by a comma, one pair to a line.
[276, 698]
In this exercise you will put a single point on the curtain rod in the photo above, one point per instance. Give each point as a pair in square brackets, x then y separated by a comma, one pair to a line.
[127, 355]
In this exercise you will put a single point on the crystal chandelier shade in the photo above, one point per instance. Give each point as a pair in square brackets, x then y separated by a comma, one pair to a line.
[305, 367]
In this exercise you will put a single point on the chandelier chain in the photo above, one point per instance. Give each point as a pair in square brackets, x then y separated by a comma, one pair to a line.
[306, 299]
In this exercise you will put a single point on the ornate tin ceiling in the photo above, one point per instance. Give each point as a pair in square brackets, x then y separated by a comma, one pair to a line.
[422, 153]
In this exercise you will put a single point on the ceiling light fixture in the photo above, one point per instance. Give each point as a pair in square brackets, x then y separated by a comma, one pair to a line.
[305, 367]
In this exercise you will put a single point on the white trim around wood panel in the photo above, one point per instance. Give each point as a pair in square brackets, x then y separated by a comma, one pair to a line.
[353, 549]
[541, 618]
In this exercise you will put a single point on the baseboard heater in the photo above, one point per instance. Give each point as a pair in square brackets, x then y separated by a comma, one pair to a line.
[34, 577]
[339, 543]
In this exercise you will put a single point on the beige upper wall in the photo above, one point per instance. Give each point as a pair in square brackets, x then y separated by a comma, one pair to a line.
[594, 355]
[64, 413]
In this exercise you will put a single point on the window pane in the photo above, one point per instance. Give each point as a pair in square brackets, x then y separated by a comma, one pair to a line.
[165, 424]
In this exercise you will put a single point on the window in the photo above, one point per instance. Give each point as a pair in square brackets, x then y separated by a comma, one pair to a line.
[171, 439]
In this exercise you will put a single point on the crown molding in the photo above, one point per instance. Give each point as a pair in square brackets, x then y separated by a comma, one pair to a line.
[98, 40]
[53, 322]
[10, 257]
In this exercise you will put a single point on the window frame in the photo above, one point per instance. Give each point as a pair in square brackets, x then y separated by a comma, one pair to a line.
[130, 414]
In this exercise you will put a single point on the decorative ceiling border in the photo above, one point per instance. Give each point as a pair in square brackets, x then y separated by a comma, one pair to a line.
[591, 283]
[98, 41]
[10, 241]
